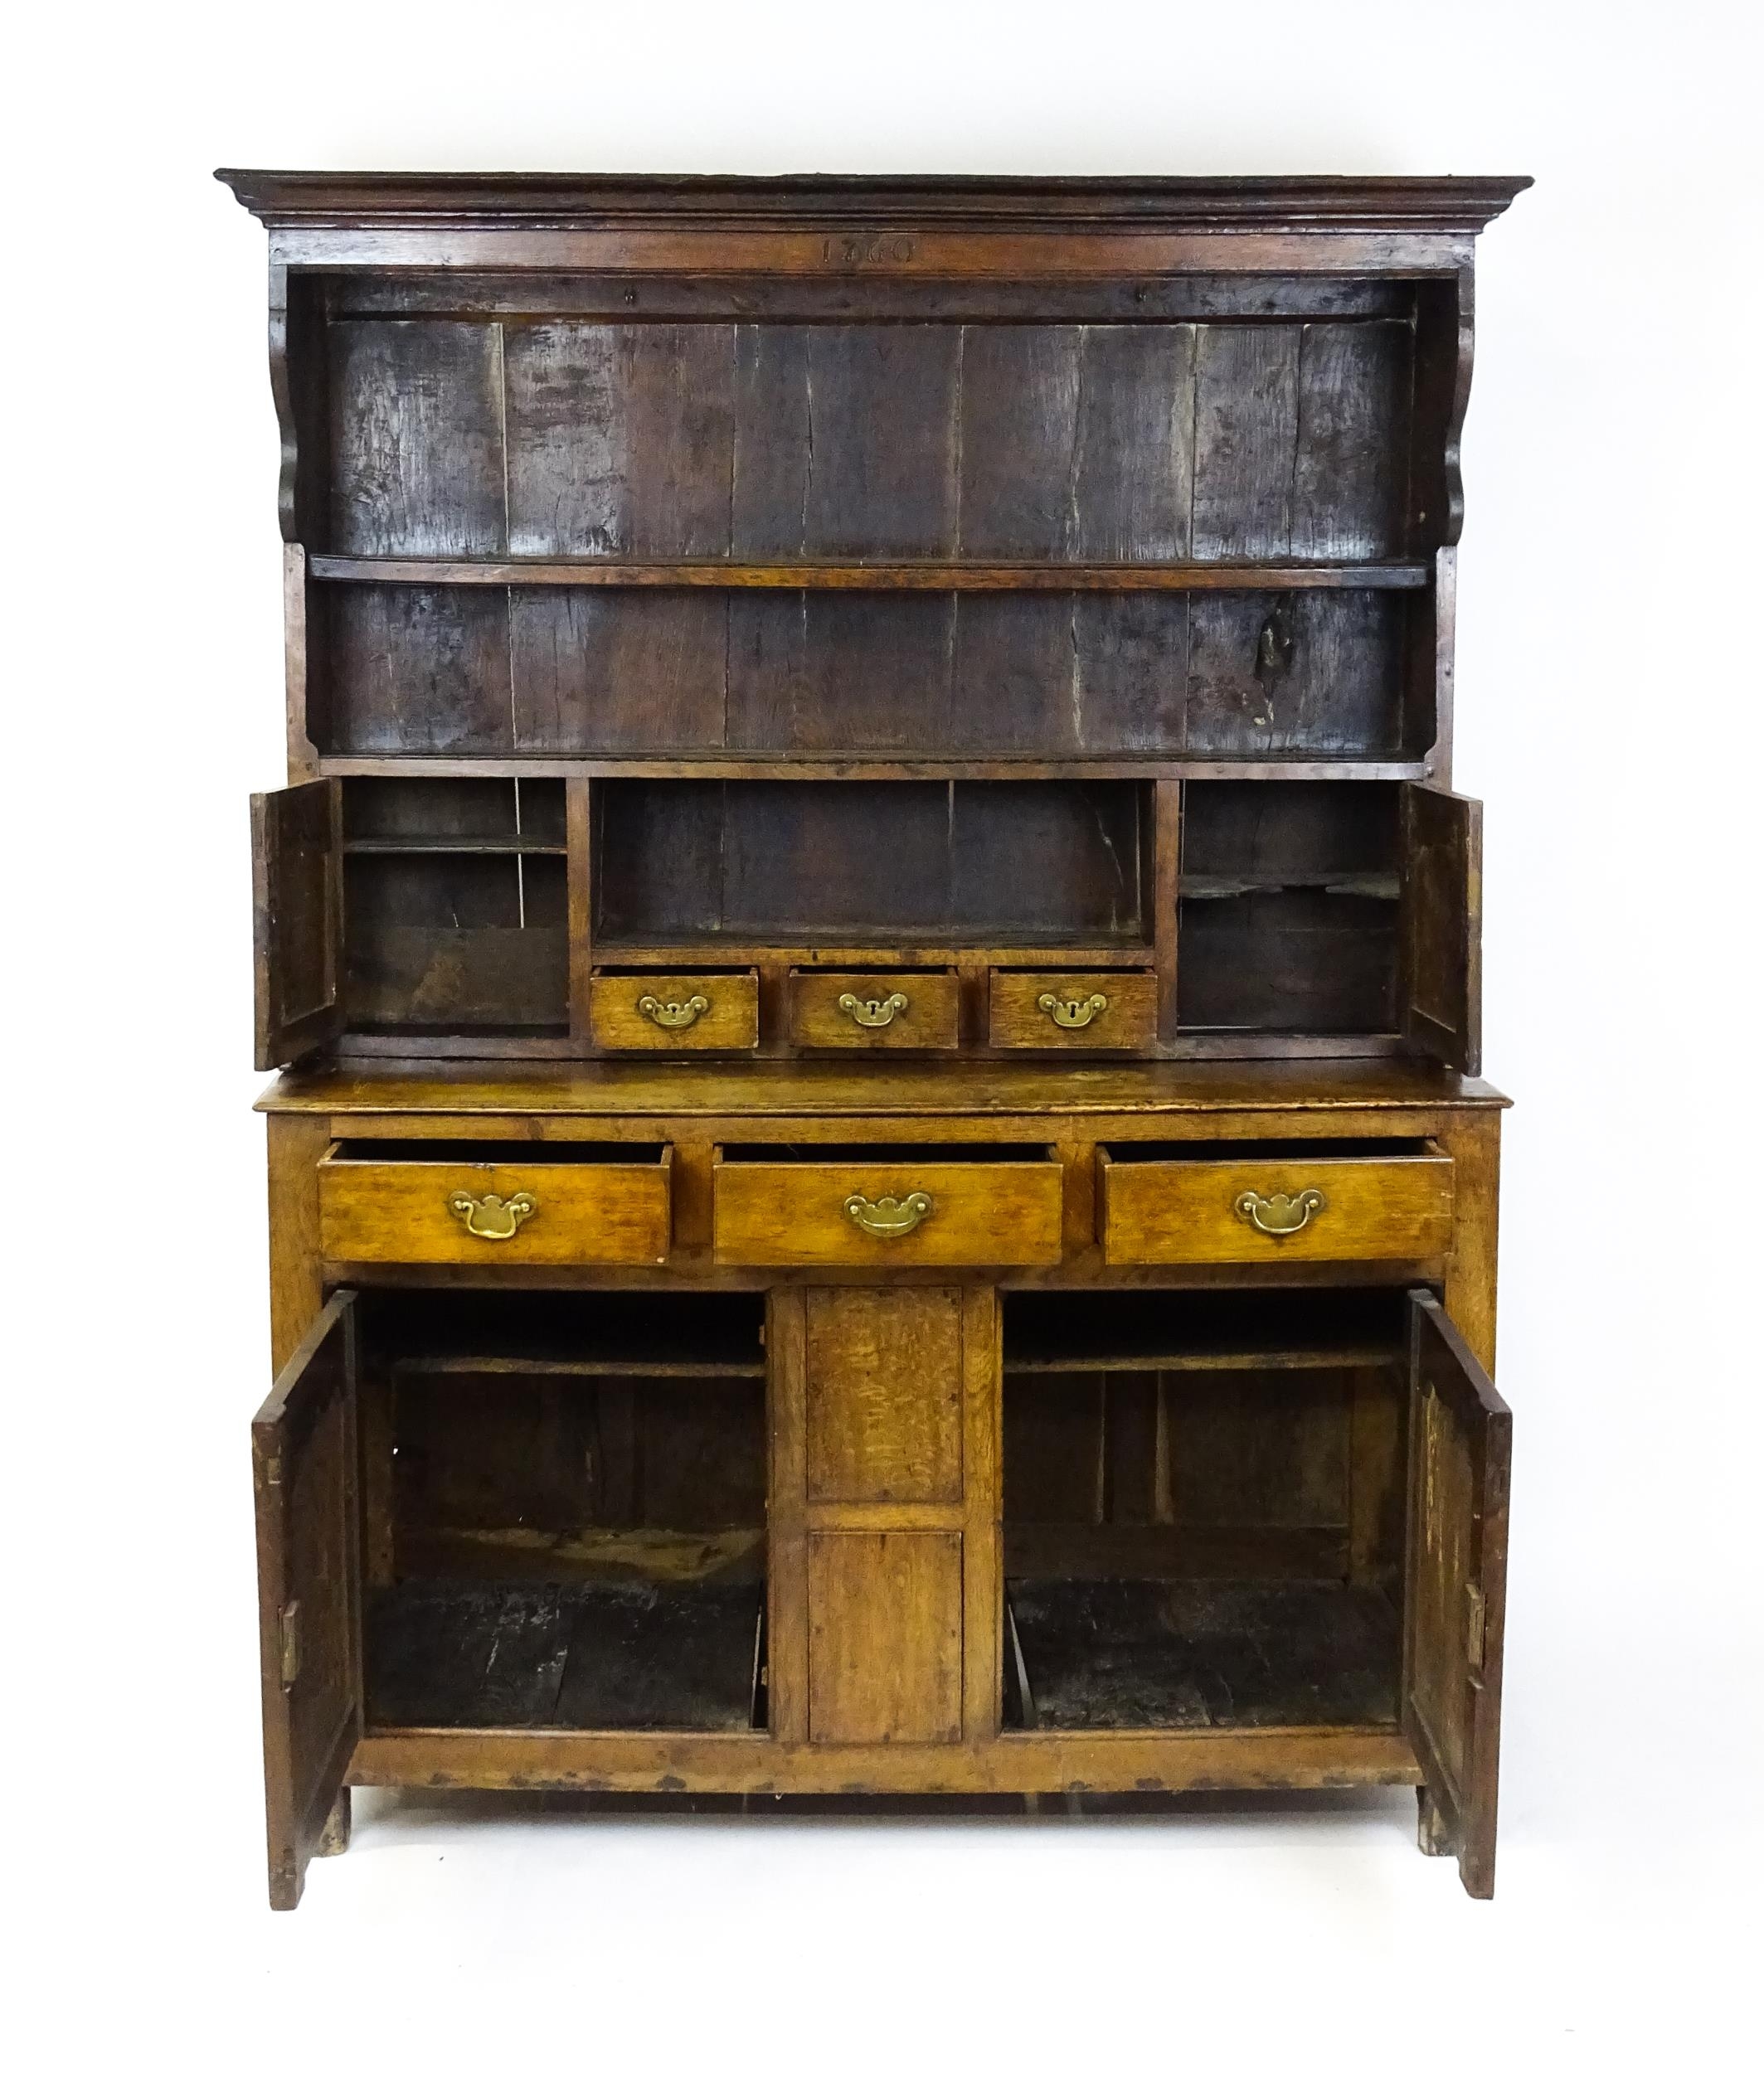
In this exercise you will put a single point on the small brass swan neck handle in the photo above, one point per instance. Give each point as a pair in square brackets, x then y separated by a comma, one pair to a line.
[1073, 1014]
[492, 1215]
[890, 1216]
[873, 1014]
[673, 1014]
[1281, 1216]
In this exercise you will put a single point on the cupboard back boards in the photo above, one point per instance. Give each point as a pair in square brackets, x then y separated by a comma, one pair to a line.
[880, 1185]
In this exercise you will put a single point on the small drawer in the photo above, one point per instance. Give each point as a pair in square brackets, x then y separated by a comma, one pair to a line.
[1206, 1204]
[1073, 1010]
[886, 1205]
[675, 1010]
[875, 1011]
[420, 1203]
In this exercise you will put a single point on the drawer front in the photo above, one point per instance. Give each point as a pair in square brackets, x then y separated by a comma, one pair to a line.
[415, 1213]
[874, 1011]
[675, 1010]
[1073, 1010]
[924, 1213]
[1179, 1212]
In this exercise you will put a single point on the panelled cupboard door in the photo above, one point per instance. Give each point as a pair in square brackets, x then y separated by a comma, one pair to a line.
[297, 902]
[308, 1585]
[1460, 1449]
[1441, 926]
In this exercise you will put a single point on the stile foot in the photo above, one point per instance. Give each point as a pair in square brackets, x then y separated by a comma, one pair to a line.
[335, 1838]
[1431, 1835]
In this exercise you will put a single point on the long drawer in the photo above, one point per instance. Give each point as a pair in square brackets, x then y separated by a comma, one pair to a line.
[440, 1205]
[887, 1206]
[1224, 1205]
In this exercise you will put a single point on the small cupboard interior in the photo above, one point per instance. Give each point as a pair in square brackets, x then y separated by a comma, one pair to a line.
[564, 1511]
[401, 911]
[1203, 1499]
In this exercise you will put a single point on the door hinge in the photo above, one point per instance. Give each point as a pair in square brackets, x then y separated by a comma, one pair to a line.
[1475, 1625]
[290, 1634]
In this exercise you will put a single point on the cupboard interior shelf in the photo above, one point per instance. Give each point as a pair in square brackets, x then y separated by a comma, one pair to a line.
[875, 575]
[446, 846]
[1366, 885]
[417, 1366]
[930, 947]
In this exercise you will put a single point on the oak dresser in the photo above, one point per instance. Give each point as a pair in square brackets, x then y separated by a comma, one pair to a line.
[880, 1184]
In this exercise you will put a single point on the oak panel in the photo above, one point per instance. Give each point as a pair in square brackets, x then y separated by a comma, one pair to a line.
[398, 1210]
[885, 1637]
[1178, 1212]
[885, 1395]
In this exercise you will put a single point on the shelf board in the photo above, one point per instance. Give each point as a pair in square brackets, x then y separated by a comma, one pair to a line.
[1202, 1360]
[928, 948]
[708, 1370]
[449, 845]
[602, 573]
[866, 763]
[1365, 884]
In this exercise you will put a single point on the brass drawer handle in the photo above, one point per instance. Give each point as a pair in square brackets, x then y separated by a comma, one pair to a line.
[891, 1217]
[1073, 1014]
[873, 1014]
[491, 1216]
[1279, 1216]
[673, 1014]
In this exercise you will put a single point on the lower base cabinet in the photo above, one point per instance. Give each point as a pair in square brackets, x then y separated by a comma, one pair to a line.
[881, 1538]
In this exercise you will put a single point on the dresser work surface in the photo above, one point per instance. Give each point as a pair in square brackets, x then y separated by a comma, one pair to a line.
[879, 1182]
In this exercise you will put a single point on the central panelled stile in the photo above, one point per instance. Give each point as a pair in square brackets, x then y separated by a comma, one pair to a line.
[885, 1596]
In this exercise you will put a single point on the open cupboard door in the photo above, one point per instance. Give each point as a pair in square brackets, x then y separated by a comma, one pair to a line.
[1460, 1449]
[309, 1586]
[1441, 998]
[297, 905]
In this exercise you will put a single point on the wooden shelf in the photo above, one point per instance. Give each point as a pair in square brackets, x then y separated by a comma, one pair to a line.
[699, 762]
[710, 1370]
[1217, 1359]
[928, 949]
[449, 845]
[1364, 884]
[879, 576]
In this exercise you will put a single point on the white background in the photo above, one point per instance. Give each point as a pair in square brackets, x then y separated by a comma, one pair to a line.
[1608, 680]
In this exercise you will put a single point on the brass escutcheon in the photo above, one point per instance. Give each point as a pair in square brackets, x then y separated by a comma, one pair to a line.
[673, 1014]
[893, 1216]
[489, 1215]
[1279, 1216]
[1073, 1014]
[873, 1014]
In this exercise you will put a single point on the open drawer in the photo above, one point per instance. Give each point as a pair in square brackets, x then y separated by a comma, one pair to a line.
[421, 1202]
[1206, 1203]
[886, 1205]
